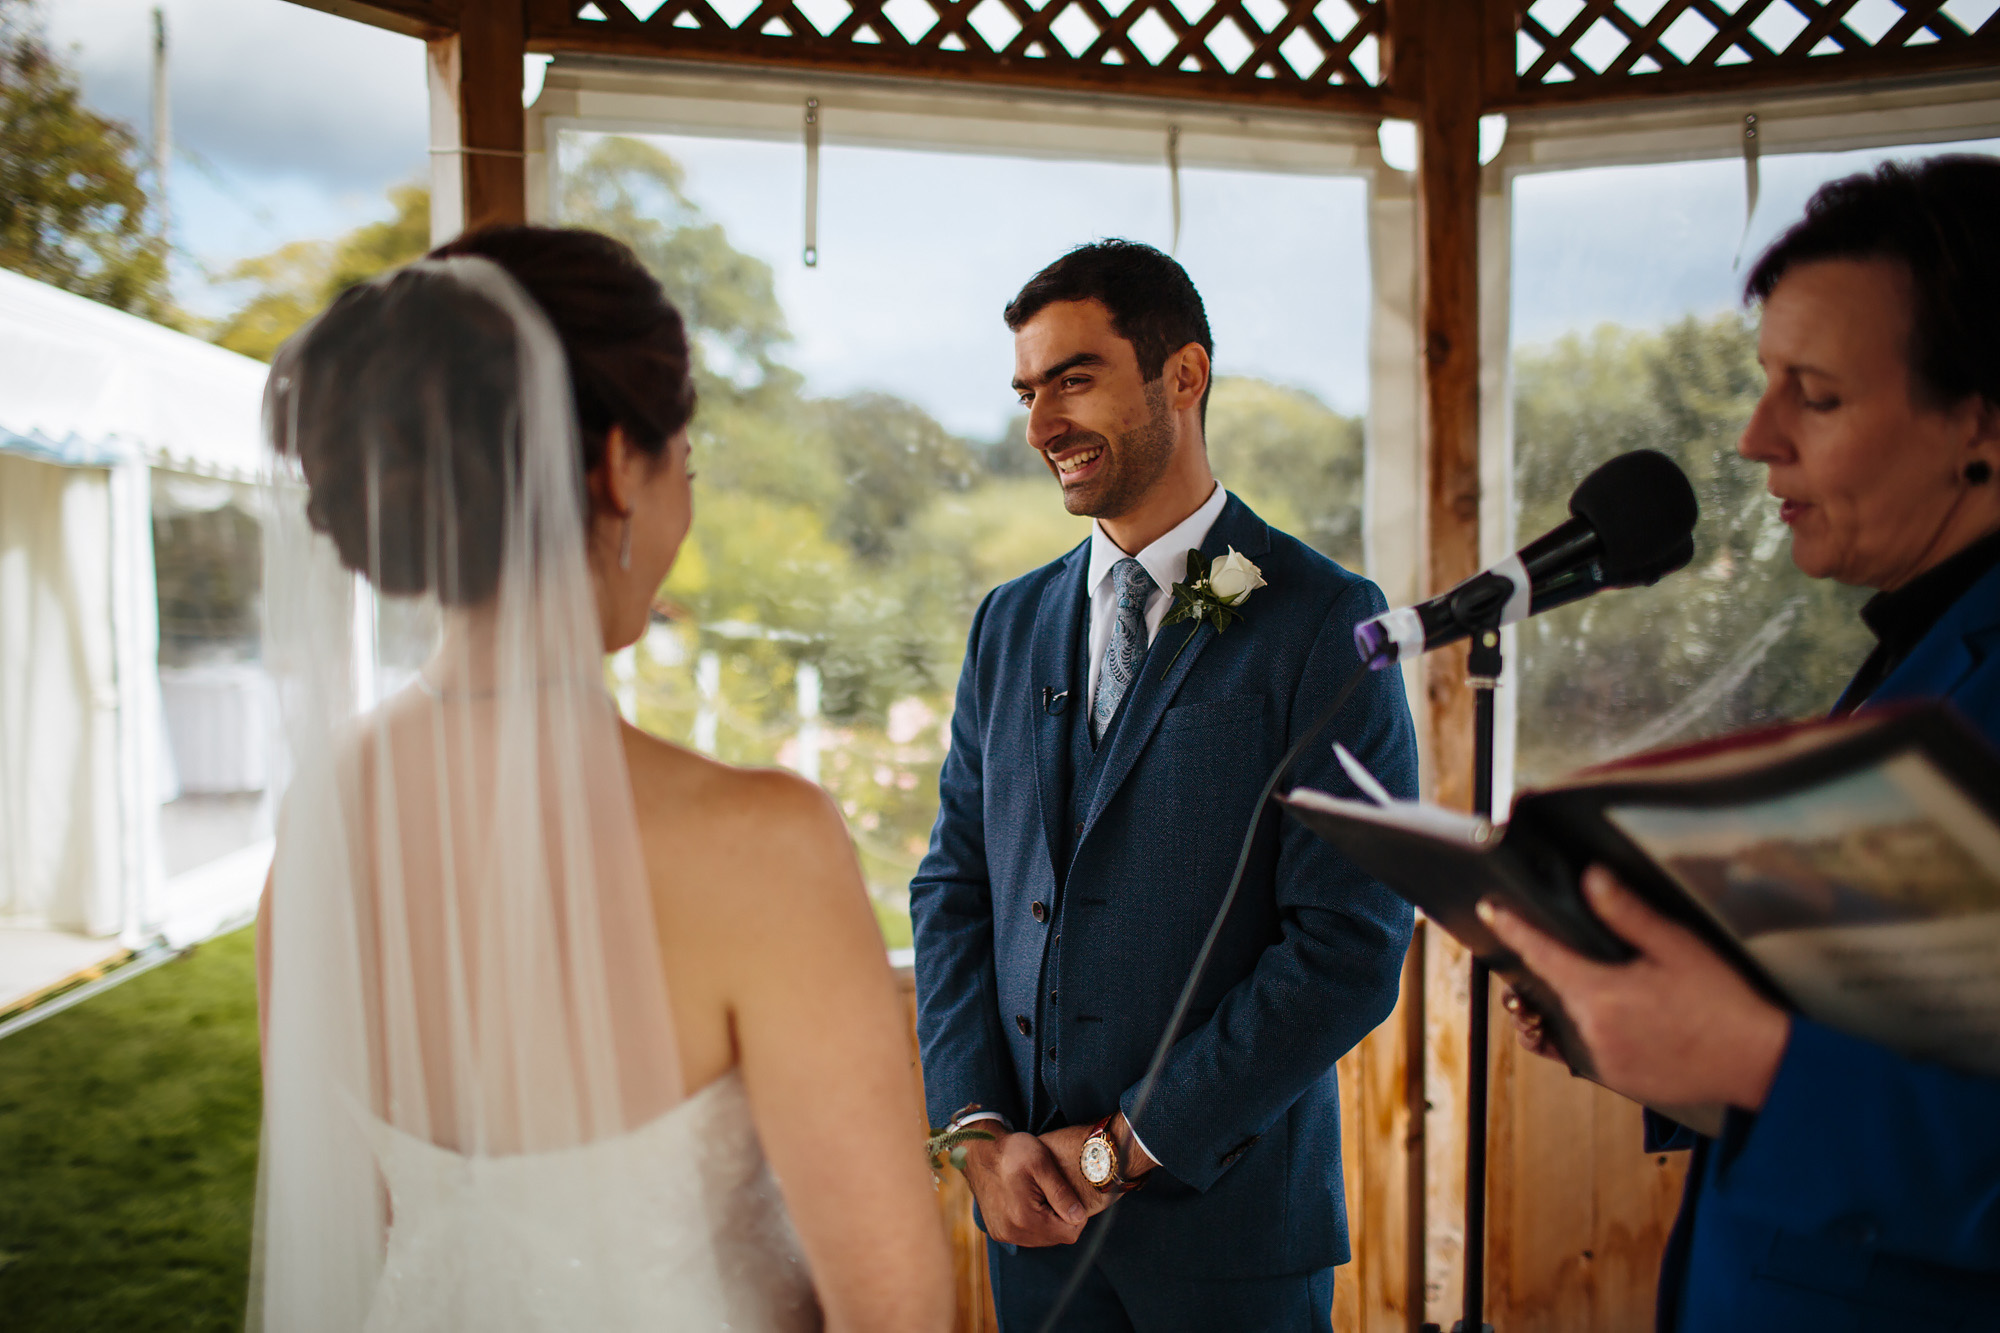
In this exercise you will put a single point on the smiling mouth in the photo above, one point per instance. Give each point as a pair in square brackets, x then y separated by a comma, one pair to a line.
[1077, 461]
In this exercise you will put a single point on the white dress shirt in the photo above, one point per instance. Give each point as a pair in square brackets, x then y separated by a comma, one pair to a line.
[1166, 560]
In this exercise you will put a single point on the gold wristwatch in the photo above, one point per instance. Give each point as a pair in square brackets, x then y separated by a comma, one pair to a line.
[1098, 1160]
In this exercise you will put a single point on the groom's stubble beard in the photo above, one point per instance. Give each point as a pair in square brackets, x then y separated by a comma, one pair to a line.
[1138, 459]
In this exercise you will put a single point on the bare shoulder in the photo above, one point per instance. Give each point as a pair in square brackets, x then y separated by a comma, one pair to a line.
[775, 835]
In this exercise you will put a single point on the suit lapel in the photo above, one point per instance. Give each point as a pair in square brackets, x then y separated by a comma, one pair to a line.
[1053, 666]
[1157, 684]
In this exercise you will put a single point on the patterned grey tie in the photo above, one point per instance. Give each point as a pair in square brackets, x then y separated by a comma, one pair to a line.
[1131, 585]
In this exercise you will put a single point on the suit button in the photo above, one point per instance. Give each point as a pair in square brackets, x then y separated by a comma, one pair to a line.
[1039, 911]
[1079, 828]
[1054, 996]
[1021, 1022]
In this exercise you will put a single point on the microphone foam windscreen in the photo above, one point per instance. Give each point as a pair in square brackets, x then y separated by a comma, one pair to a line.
[1642, 509]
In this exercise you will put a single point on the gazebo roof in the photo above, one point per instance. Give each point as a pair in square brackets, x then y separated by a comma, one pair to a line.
[86, 385]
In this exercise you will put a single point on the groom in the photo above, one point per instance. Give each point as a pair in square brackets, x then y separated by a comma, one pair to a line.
[1102, 771]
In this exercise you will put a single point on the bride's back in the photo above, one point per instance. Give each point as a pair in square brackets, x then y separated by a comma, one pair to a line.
[506, 930]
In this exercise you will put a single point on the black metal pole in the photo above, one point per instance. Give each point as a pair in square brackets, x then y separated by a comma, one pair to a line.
[1483, 674]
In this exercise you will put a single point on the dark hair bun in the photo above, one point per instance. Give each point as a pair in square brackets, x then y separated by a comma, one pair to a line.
[403, 406]
[626, 343]
[394, 362]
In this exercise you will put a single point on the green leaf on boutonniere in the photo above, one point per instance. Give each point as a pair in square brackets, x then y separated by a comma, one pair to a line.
[1196, 600]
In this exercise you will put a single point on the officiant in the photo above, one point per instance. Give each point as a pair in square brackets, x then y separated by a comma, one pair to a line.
[1850, 1187]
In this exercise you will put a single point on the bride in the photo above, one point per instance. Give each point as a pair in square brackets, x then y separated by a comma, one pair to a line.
[564, 1027]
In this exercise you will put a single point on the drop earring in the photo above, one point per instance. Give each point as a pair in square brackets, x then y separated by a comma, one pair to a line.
[625, 545]
[1978, 472]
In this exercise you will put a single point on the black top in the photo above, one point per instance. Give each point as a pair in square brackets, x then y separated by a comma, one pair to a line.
[1903, 617]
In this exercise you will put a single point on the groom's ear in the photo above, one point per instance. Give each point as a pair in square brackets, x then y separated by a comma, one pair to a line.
[1187, 374]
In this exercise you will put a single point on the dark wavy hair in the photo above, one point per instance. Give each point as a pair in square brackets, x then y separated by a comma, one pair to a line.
[1935, 216]
[1153, 304]
[414, 518]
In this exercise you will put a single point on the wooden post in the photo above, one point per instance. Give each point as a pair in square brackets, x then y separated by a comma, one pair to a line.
[1448, 293]
[478, 132]
[1437, 61]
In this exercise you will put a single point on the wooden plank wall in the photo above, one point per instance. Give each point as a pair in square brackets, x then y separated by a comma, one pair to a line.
[1577, 1214]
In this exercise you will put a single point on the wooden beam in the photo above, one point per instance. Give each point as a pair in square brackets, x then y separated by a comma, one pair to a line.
[1448, 298]
[478, 131]
[426, 20]
[1440, 47]
[1966, 58]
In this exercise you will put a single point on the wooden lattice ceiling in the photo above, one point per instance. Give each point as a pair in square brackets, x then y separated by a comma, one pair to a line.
[1324, 53]
[1587, 50]
[1332, 55]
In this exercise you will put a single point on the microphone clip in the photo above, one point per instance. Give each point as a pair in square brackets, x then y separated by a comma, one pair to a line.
[1053, 703]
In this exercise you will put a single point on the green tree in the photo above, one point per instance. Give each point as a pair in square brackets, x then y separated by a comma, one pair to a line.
[1737, 639]
[73, 210]
[1291, 458]
[296, 281]
[893, 461]
[630, 189]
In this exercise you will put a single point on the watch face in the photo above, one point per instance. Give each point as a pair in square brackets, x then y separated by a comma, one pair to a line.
[1097, 1167]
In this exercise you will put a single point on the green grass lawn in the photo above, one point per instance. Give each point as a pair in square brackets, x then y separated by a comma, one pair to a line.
[128, 1153]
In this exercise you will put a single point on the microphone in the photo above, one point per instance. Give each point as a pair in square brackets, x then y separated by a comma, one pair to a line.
[1631, 525]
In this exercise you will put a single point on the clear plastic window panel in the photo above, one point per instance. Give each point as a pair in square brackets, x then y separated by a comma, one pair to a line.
[1628, 332]
[862, 474]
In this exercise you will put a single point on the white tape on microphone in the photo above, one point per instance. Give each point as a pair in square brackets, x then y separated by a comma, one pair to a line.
[1405, 629]
[1518, 600]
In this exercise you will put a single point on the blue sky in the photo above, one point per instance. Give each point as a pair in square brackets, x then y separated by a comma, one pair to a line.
[290, 123]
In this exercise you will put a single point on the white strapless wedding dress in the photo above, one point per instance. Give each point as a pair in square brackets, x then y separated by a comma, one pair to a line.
[677, 1225]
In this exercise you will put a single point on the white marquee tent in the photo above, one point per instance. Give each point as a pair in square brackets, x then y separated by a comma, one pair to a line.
[101, 413]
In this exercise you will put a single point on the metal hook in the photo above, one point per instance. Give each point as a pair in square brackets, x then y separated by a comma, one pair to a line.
[1750, 184]
[812, 183]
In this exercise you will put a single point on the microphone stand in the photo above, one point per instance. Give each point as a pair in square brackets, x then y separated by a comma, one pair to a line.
[1483, 668]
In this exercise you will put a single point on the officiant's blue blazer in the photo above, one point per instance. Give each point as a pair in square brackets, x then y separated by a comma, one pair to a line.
[1865, 1195]
[1058, 911]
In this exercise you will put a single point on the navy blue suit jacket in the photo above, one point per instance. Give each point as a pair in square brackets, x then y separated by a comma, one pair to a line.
[1866, 1192]
[1246, 1118]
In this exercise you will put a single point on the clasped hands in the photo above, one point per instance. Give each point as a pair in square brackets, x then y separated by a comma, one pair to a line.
[1031, 1189]
[1674, 1026]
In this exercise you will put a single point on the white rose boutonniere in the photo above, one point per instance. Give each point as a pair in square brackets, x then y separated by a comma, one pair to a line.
[1212, 592]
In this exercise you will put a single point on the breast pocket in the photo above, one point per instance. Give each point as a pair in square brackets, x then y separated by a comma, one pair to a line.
[1210, 760]
[1241, 712]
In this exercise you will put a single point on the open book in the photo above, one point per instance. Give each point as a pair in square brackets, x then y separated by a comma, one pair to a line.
[1849, 868]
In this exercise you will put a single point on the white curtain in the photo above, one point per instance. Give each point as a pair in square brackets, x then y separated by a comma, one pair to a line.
[62, 834]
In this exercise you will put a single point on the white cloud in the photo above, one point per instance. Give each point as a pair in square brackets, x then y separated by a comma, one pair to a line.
[260, 87]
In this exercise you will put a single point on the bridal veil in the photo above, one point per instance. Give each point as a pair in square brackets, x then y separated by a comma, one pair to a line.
[461, 944]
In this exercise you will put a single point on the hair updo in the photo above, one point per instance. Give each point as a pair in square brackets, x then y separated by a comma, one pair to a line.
[392, 360]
